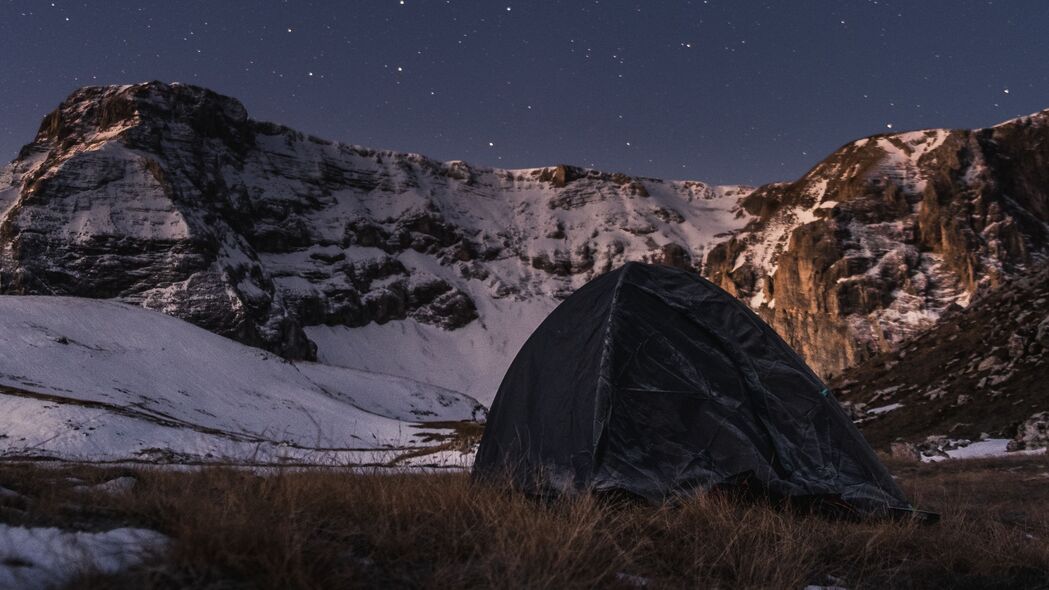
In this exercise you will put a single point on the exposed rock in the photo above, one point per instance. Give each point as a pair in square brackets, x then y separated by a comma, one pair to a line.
[1033, 433]
[904, 452]
[668, 215]
[1016, 346]
[978, 370]
[561, 175]
[988, 363]
[674, 255]
[876, 242]
[451, 309]
[856, 412]
[1042, 333]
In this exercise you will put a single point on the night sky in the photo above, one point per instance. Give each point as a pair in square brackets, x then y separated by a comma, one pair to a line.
[727, 91]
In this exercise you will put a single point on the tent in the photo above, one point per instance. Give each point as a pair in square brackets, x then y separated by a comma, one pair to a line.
[652, 381]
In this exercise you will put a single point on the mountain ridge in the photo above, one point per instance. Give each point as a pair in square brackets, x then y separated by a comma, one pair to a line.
[170, 197]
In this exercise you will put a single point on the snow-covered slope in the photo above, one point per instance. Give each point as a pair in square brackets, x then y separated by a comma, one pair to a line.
[101, 380]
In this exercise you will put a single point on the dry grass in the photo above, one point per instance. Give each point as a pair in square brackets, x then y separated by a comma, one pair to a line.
[317, 529]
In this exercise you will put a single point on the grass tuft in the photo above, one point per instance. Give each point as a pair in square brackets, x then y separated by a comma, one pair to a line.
[294, 528]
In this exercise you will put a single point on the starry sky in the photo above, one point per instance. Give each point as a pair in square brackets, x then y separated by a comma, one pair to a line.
[726, 91]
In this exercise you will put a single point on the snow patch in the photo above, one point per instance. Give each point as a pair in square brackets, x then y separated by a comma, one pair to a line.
[99, 380]
[884, 409]
[32, 558]
[983, 449]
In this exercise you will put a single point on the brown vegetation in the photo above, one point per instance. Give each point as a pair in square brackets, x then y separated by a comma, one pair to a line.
[290, 528]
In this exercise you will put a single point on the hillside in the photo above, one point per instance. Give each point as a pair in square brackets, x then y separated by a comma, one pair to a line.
[981, 371]
[105, 381]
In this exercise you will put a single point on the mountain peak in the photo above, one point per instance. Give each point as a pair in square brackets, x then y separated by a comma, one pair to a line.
[1038, 118]
[92, 111]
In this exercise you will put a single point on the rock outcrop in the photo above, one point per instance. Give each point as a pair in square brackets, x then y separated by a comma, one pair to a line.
[1032, 434]
[979, 371]
[878, 240]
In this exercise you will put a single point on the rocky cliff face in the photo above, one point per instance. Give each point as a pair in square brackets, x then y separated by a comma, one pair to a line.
[169, 196]
[878, 240]
[122, 194]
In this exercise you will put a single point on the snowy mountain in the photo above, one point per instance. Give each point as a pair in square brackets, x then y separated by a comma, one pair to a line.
[874, 243]
[170, 197]
[106, 381]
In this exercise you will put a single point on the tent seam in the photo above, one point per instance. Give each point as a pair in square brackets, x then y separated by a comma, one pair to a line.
[606, 353]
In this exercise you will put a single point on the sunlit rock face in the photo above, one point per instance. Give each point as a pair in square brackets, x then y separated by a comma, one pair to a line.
[878, 240]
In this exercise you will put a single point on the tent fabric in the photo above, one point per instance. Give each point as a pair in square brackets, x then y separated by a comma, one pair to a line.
[651, 380]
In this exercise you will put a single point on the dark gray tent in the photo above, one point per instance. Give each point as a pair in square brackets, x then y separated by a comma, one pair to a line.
[652, 381]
